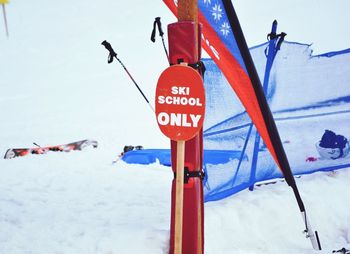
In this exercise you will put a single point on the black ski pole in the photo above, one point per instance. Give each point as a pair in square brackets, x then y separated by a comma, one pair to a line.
[110, 59]
[158, 24]
[36, 144]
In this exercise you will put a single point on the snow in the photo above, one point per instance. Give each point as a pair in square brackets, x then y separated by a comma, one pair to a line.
[56, 87]
[79, 202]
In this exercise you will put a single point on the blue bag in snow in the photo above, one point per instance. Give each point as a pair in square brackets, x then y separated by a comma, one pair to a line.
[333, 146]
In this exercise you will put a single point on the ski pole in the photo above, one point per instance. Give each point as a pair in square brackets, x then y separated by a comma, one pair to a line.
[36, 144]
[110, 59]
[5, 20]
[161, 33]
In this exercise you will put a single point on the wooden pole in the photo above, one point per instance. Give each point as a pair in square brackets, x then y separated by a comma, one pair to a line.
[187, 10]
[180, 161]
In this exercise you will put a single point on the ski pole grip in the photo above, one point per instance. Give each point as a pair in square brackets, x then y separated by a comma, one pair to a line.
[159, 24]
[110, 49]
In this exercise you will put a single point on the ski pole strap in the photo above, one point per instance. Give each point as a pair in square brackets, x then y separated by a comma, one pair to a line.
[188, 174]
[280, 40]
[111, 51]
[273, 35]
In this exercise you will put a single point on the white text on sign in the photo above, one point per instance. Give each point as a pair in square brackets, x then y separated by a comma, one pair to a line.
[177, 100]
[178, 119]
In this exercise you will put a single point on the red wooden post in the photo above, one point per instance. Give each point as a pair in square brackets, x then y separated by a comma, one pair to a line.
[184, 46]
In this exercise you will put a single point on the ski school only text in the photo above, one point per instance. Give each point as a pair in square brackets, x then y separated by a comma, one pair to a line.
[180, 95]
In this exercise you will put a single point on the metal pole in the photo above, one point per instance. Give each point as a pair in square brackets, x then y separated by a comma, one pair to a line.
[5, 20]
[112, 55]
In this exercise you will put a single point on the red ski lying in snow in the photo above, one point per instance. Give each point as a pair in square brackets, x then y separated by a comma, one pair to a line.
[79, 145]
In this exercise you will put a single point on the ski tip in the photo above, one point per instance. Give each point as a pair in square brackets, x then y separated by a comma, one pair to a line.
[9, 154]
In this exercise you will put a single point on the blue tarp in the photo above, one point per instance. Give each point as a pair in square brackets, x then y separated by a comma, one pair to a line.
[163, 157]
[307, 94]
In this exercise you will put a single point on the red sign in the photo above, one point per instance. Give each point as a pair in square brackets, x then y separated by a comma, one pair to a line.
[180, 102]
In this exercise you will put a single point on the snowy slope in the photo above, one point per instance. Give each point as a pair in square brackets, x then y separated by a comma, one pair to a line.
[55, 71]
[79, 202]
[57, 87]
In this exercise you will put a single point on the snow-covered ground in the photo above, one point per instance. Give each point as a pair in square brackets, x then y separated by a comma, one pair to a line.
[56, 87]
[80, 203]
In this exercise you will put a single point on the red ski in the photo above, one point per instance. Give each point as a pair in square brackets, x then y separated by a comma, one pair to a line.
[79, 145]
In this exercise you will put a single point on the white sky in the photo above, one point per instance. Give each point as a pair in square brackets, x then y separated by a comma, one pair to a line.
[323, 23]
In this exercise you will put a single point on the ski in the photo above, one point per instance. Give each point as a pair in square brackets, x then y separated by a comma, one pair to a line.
[79, 145]
[272, 181]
